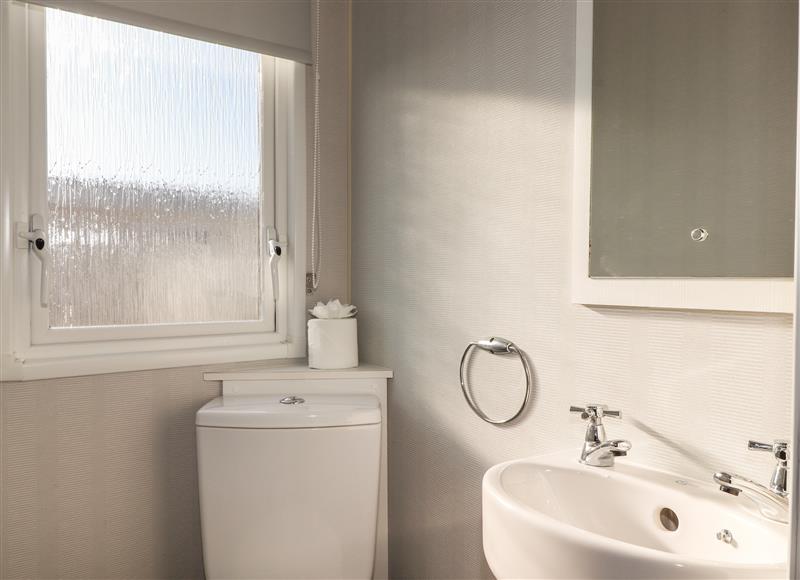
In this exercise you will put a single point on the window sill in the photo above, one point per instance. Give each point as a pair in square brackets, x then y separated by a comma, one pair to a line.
[39, 364]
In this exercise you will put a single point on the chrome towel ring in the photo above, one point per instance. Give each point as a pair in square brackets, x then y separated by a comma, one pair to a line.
[494, 345]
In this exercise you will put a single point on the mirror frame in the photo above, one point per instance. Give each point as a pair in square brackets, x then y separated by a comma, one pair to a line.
[738, 294]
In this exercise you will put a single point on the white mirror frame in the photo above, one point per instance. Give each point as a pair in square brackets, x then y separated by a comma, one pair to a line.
[742, 294]
[794, 523]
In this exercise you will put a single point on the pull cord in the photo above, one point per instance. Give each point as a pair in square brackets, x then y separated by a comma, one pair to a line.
[316, 227]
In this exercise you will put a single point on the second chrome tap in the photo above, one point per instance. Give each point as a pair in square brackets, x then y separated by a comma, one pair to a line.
[772, 499]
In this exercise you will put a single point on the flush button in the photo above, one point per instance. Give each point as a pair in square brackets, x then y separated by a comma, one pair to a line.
[292, 400]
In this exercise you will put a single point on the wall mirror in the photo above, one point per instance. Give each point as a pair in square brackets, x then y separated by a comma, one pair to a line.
[686, 125]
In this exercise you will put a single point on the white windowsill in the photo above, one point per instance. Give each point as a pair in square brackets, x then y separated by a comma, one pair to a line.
[26, 369]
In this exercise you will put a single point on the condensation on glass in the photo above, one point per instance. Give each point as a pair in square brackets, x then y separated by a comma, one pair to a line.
[153, 176]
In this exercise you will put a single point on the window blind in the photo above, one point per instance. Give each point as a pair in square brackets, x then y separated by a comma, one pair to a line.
[280, 28]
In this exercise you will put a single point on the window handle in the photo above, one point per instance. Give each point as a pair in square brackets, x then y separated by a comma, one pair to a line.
[275, 247]
[32, 237]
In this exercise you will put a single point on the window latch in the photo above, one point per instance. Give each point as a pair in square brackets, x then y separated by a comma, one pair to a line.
[275, 247]
[31, 236]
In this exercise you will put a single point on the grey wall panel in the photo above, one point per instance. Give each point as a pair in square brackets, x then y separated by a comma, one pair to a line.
[462, 178]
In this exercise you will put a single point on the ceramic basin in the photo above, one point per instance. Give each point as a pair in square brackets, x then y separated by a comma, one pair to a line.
[552, 517]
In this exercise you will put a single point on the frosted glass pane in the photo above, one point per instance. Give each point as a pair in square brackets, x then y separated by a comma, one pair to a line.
[154, 176]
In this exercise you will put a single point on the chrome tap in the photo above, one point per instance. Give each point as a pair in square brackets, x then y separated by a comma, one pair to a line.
[597, 450]
[772, 499]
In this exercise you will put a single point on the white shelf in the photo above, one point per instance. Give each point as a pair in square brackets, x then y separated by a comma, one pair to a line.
[289, 369]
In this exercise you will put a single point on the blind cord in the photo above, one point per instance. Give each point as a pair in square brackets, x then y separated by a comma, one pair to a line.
[316, 233]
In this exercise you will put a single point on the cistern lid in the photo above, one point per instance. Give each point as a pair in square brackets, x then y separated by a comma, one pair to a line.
[290, 411]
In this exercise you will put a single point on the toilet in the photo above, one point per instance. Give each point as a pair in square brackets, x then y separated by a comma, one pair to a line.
[289, 485]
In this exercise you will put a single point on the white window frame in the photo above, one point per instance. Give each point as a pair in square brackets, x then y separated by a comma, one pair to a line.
[31, 350]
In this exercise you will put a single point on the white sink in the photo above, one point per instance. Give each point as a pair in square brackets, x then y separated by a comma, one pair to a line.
[552, 517]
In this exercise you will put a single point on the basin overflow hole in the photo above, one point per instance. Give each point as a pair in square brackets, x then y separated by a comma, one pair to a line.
[668, 519]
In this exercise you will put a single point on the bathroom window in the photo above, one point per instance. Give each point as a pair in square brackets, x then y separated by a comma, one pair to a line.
[154, 176]
[158, 166]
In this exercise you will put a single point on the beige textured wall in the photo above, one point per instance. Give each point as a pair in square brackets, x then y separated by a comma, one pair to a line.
[462, 153]
[98, 474]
